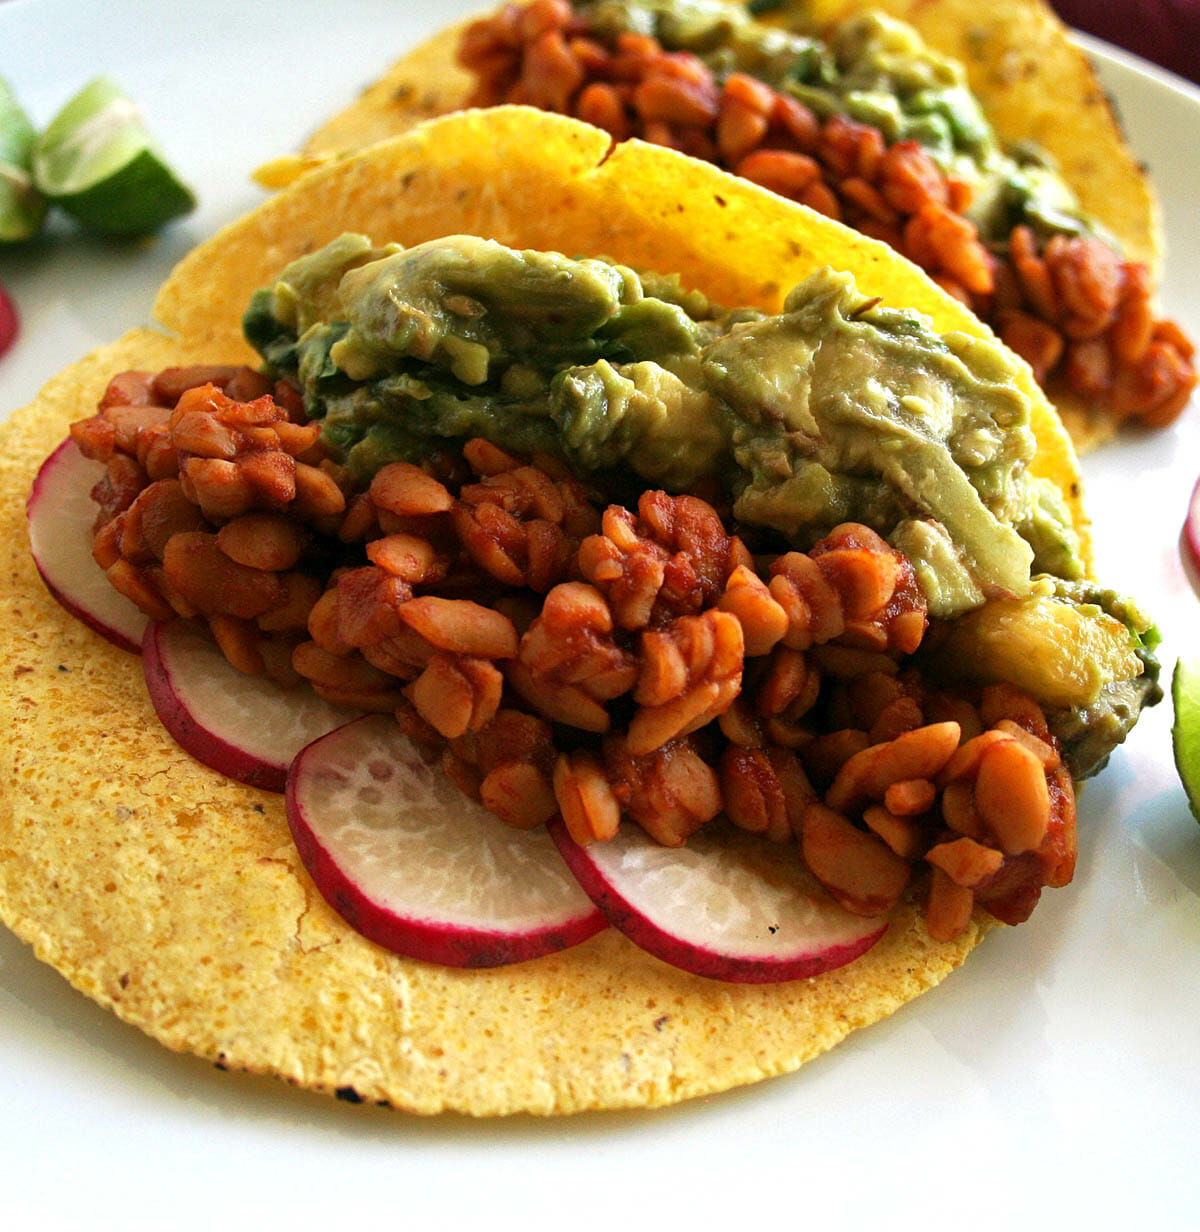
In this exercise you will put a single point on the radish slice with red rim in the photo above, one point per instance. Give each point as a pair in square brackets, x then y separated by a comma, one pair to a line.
[728, 905]
[60, 513]
[412, 863]
[247, 727]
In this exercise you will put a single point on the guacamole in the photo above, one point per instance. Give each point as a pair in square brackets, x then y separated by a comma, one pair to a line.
[876, 70]
[837, 408]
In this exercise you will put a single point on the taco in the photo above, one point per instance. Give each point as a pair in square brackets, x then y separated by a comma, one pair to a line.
[174, 896]
[974, 140]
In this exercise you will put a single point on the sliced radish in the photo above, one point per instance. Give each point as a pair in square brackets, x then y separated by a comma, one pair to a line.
[60, 513]
[247, 727]
[1191, 527]
[413, 864]
[728, 905]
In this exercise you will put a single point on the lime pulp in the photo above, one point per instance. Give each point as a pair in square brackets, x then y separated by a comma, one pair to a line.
[1185, 734]
[98, 162]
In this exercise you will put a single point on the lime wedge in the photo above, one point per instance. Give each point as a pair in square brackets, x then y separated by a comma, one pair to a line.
[22, 207]
[98, 162]
[1185, 735]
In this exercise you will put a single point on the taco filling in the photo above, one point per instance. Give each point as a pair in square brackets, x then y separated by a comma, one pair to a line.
[864, 122]
[609, 550]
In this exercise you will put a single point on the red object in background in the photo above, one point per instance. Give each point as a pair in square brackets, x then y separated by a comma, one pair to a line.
[9, 324]
[1166, 32]
[1191, 527]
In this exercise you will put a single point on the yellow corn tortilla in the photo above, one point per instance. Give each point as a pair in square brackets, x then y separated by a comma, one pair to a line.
[1032, 81]
[174, 897]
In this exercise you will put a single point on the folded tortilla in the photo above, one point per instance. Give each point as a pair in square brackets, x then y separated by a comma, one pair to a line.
[174, 896]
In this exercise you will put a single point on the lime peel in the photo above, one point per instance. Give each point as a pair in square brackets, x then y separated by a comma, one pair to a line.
[1185, 733]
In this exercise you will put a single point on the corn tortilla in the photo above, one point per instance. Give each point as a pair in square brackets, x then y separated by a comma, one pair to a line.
[174, 897]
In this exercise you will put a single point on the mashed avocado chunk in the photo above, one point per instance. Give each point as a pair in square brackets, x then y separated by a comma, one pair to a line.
[469, 305]
[841, 402]
[837, 408]
[1086, 654]
[1066, 652]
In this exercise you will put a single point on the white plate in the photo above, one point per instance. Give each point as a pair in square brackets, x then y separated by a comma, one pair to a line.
[1056, 1078]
